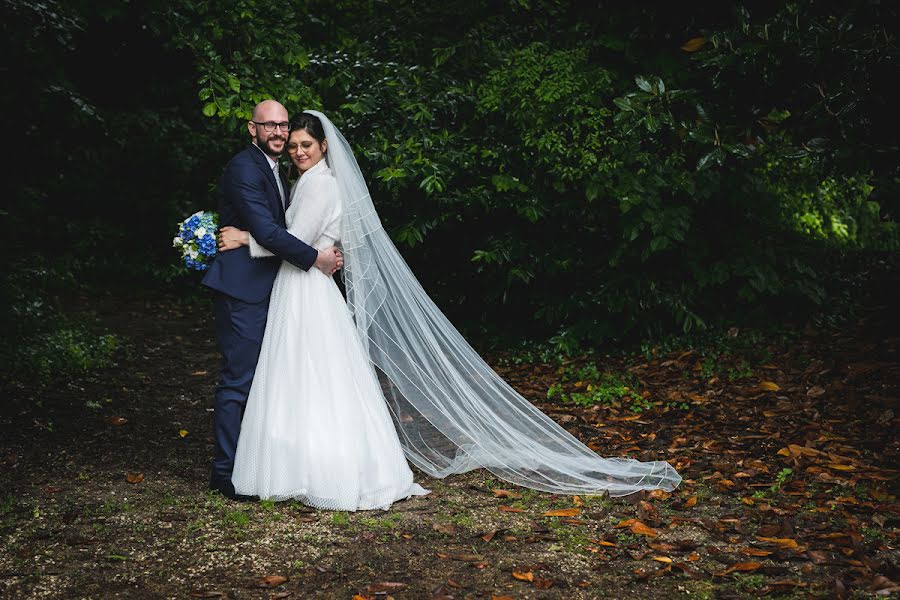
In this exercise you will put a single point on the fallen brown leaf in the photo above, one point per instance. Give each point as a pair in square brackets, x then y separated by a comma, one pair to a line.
[641, 529]
[642, 575]
[787, 543]
[839, 467]
[741, 566]
[659, 495]
[446, 528]
[463, 557]
[563, 512]
[505, 493]
[271, 581]
[542, 584]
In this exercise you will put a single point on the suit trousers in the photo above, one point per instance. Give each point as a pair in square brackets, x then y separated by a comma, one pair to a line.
[239, 330]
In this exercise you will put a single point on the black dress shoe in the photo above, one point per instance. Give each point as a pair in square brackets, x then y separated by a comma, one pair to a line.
[226, 488]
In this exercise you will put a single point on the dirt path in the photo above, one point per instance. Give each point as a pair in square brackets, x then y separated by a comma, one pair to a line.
[788, 490]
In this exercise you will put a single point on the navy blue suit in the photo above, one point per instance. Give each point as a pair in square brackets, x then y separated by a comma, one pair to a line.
[248, 200]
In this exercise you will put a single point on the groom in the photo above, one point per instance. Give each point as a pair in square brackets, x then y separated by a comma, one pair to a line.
[252, 198]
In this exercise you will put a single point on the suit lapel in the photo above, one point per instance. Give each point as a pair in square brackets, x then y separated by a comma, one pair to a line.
[263, 164]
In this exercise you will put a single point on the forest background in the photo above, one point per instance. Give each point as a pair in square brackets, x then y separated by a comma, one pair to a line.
[558, 174]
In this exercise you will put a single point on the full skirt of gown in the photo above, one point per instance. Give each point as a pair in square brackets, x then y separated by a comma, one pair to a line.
[316, 427]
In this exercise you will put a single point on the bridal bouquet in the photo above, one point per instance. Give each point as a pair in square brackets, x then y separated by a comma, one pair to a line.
[197, 239]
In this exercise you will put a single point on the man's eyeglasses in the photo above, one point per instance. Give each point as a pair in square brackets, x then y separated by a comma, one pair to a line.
[269, 126]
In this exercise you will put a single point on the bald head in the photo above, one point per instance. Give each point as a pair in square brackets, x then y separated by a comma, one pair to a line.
[270, 110]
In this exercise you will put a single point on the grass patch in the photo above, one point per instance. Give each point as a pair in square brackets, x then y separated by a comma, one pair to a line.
[112, 506]
[571, 538]
[380, 524]
[463, 520]
[236, 519]
[744, 582]
[7, 504]
[340, 519]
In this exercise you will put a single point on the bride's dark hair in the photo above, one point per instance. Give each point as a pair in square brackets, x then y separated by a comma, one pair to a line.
[310, 124]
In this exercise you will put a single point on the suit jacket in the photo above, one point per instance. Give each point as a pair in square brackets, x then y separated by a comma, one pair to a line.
[249, 200]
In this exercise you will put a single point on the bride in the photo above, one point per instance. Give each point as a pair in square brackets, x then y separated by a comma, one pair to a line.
[344, 394]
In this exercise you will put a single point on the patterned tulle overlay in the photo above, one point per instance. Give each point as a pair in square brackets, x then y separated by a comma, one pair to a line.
[317, 427]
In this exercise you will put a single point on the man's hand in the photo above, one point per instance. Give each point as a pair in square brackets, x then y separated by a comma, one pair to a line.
[330, 260]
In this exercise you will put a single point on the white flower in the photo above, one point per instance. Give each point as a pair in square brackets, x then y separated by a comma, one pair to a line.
[200, 232]
[193, 253]
[177, 242]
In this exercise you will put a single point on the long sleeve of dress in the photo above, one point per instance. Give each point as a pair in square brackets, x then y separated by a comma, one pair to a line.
[312, 212]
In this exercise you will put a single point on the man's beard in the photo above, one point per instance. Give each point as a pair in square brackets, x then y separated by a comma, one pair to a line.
[264, 144]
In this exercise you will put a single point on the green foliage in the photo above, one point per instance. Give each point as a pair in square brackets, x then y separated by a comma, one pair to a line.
[836, 209]
[783, 476]
[42, 343]
[544, 162]
[62, 352]
[588, 386]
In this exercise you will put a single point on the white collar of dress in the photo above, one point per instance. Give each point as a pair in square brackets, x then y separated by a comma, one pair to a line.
[322, 165]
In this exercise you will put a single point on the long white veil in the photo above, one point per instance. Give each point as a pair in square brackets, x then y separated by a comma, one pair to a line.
[453, 413]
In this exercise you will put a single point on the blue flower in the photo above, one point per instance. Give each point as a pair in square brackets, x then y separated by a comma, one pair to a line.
[207, 246]
[203, 248]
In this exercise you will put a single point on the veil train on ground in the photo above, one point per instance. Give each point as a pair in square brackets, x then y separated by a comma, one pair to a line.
[453, 413]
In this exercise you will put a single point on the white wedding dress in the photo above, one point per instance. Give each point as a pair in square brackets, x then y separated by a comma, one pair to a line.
[317, 427]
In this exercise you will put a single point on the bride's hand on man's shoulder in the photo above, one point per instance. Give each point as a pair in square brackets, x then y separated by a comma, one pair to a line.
[232, 237]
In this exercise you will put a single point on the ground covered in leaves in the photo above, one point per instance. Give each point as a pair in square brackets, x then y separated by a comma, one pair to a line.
[787, 444]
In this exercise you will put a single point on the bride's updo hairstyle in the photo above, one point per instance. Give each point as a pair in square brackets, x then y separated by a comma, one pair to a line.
[310, 124]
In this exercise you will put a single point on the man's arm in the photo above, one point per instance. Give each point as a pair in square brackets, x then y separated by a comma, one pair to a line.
[246, 191]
